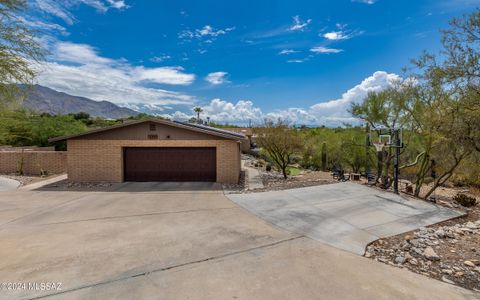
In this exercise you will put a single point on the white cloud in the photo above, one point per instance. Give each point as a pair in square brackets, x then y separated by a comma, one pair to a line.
[223, 111]
[118, 4]
[160, 58]
[43, 26]
[297, 61]
[206, 31]
[61, 9]
[288, 51]
[336, 35]
[299, 24]
[369, 2]
[329, 113]
[78, 53]
[163, 75]
[217, 78]
[337, 110]
[293, 116]
[341, 33]
[79, 70]
[325, 50]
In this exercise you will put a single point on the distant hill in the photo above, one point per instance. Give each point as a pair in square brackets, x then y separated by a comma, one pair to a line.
[44, 99]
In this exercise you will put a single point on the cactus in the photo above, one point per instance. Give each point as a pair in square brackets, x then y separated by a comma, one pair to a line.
[324, 156]
[20, 165]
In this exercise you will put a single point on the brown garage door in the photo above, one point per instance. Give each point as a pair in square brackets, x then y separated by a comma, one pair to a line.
[170, 164]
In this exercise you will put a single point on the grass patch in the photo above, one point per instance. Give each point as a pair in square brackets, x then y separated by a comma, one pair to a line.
[292, 171]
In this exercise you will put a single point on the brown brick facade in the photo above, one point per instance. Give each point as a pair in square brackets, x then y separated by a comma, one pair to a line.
[52, 162]
[101, 160]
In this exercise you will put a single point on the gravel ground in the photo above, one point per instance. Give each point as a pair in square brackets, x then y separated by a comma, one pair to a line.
[236, 188]
[448, 251]
[274, 181]
[65, 185]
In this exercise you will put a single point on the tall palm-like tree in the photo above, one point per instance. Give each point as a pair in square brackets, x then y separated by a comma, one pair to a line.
[198, 110]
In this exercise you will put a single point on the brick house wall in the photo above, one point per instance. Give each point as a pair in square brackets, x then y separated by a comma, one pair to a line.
[101, 160]
[52, 162]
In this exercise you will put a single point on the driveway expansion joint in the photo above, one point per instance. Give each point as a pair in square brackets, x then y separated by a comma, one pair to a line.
[212, 258]
[135, 216]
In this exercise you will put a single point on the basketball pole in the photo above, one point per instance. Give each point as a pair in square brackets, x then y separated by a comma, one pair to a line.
[396, 171]
[368, 144]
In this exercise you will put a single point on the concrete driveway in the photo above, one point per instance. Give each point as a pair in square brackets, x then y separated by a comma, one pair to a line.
[345, 215]
[145, 243]
[7, 184]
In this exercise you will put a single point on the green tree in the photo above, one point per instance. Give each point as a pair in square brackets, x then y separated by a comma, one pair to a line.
[387, 109]
[198, 110]
[447, 111]
[18, 51]
[280, 142]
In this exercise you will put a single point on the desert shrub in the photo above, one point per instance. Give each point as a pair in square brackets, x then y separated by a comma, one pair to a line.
[296, 159]
[465, 200]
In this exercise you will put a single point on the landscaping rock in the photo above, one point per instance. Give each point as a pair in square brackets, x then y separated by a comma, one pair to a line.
[440, 233]
[445, 279]
[400, 260]
[413, 261]
[469, 263]
[430, 254]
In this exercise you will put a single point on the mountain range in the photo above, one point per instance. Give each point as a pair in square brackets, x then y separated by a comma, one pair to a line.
[43, 99]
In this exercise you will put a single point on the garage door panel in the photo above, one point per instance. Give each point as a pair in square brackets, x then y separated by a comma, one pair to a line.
[170, 164]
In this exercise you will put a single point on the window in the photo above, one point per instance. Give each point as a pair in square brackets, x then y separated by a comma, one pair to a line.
[152, 127]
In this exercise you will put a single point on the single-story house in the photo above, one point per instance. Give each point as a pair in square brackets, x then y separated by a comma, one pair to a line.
[154, 150]
[248, 133]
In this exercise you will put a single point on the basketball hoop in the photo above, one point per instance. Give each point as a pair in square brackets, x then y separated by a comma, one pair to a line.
[379, 146]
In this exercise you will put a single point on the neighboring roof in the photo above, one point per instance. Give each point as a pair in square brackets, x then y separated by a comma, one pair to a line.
[193, 127]
[220, 130]
[243, 130]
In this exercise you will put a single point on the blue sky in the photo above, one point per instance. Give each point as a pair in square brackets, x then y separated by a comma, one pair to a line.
[304, 61]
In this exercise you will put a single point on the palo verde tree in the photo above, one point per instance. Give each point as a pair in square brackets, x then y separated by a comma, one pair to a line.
[18, 51]
[386, 109]
[447, 111]
[280, 142]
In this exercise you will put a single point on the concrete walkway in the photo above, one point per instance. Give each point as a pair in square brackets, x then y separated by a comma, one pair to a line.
[7, 184]
[345, 215]
[253, 178]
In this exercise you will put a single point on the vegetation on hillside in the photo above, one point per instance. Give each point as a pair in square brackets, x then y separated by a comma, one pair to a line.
[437, 105]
